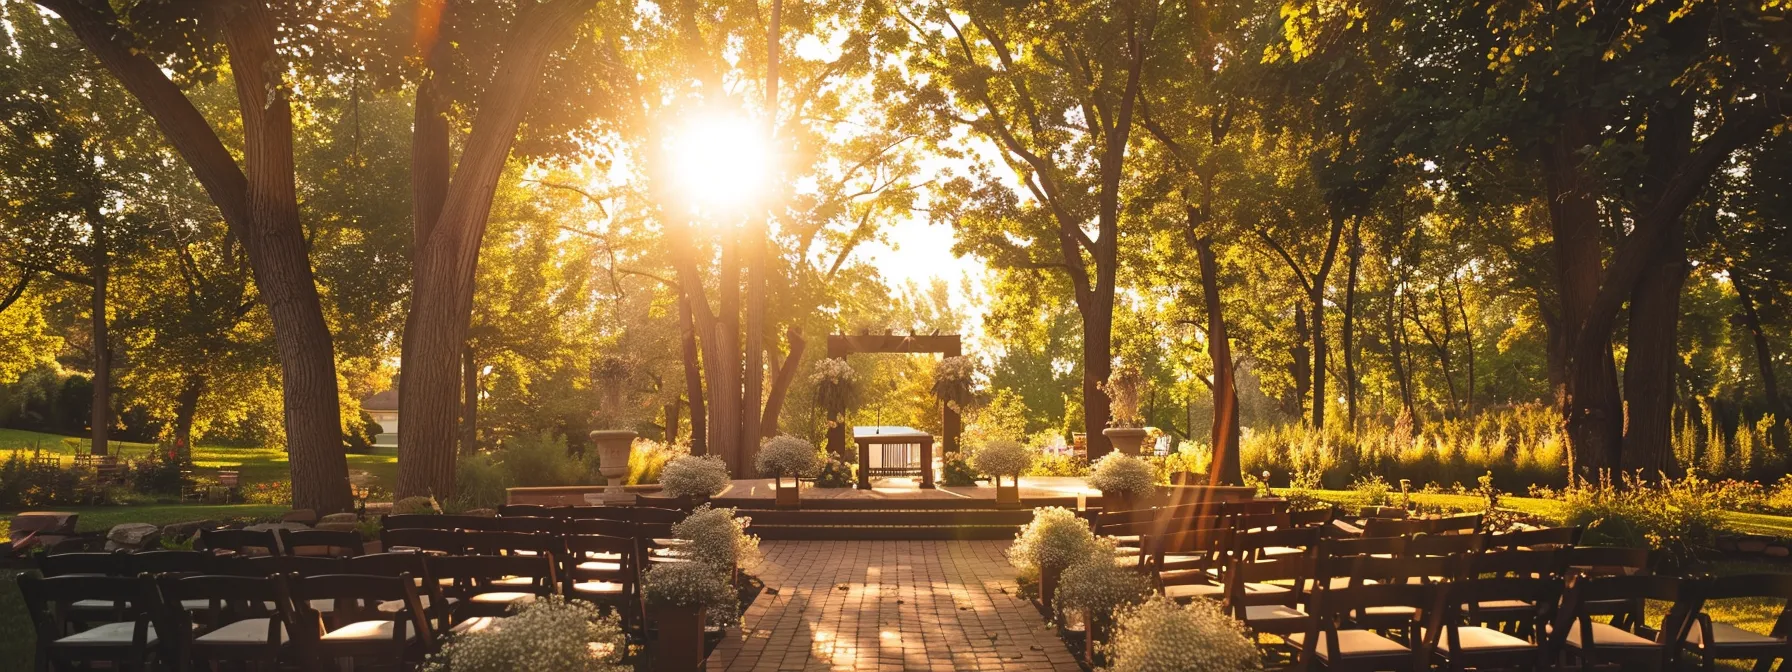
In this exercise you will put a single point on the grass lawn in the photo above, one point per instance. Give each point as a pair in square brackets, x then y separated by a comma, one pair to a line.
[256, 464]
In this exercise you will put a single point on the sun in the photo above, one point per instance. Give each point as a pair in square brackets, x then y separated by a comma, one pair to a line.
[720, 162]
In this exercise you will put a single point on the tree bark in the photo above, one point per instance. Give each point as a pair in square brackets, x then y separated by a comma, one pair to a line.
[259, 207]
[447, 261]
[725, 368]
[469, 405]
[1468, 345]
[102, 344]
[1751, 317]
[1397, 355]
[1301, 361]
[693, 378]
[774, 402]
[1349, 327]
[186, 407]
[1225, 468]
[1653, 360]
[1316, 299]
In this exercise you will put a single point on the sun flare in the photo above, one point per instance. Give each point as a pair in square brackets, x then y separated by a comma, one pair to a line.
[720, 162]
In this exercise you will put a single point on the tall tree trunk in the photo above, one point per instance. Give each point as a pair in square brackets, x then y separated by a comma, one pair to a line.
[725, 368]
[1751, 317]
[1349, 326]
[469, 405]
[1439, 346]
[1316, 299]
[1468, 344]
[1225, 468]
[774, 402]
[447, 251]
[186, 406]
[1653, 361]
[752, 394]
[1396, 325]
[672, 410]
[1301, 361]
[307, 353]
[102, 343]
[693, 378]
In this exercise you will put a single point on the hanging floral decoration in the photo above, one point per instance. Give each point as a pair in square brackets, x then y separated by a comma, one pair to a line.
[836, 386]
[952, 380]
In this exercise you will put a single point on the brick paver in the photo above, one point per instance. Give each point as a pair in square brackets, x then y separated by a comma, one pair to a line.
[889, 605]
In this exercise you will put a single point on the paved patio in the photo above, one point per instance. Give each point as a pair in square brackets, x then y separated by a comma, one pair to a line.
[908, 488]
[890, 605]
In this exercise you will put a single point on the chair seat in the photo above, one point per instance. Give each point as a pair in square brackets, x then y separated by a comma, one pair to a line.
[1124, 539]
[1279, 551]
[515, 581]
[600, 566]
[598, 587]
[94, 605]
[477, 624]
[110, 634]
[1608, 636]
[422, 601]
[322, 606]
[1352, 644]
[1263, 614]
[368, 631]
[502, 597]
[1388, 611]
[1336, 582]
[1189, 591]
[1264, 589]
[1505, 605]
[1724, 634]
[246, 631]
[1479, 639]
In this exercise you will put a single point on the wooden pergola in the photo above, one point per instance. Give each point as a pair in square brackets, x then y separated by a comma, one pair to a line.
[840, 345]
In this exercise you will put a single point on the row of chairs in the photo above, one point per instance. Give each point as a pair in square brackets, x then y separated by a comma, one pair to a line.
[387, 606]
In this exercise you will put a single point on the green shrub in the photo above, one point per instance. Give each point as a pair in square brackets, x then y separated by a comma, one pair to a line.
[837, 473]
[276, 493]
[480, 481]
[648, 458]
[1373, 490]
[538, 460]
[1680, 519]
[416, 505]
[1059, 464]
[160, 473]
[955, 471]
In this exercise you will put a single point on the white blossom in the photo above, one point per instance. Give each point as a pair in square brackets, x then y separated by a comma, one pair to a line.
[694, 476]
[548, 634]
[1055, 539]
[1122, 474]
[1159, 636]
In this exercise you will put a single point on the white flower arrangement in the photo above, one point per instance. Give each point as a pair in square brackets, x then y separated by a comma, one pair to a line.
[1002, 457]
[1118, 474]
[787, 456]
[836, 385]
[1159, 635]
[548, 634]
[952, 380]
[691, 584]
[833, 370]
[719, 537]
[1056, 538]
[1099, 585]
[694, 476]
[1124, 387]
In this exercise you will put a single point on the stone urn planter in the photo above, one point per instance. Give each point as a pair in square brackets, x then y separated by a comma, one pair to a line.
[679, 645]
[612, 454]
[1127, 440]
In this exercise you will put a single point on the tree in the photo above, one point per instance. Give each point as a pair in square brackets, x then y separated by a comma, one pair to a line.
[1056, 89]
[257, 198]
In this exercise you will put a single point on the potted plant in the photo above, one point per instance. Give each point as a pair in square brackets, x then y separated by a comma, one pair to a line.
[999, 458]
[614, 416]
[1096, 588]
[694, 477]
[1160, 635]
[1126, 428]
[719, 537]
[680, 599]
[547, 634]
[952, 382]
[1125, 482]
[1054, 540]
[785, 455]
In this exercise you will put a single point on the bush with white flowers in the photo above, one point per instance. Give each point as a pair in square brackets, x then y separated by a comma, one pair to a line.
[787, 456]
[1100, 586]
[718, 537]
[1002, 458]
[694, 476]
[692, 584]
[1055, 539]
[548, 634]
[1125, 475]
[1159, 635]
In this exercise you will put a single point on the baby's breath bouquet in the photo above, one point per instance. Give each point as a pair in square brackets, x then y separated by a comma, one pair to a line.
[1123, 475]
[692, 584]
[787, 456]
[1098, 585]
[548, 634]
[952, 379]
[1055, 539]
[719, 537]
[1159, 635]
[694, 476]
[1002, 457]
[836, 385]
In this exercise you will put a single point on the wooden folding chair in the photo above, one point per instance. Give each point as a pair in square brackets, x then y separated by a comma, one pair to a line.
[333, 543]
[491, 585]
[1624, 645]
[601, 526]
[1516, 588]
[1612, 561]
[240, 542]
[436, 605]
[534, 524]
[169, 561]
[82, 564]
[605, 570]
[594, 512]
[125, 637]
[1546, 537]
[362, 630]
[1267, 592]
[452, 542]
[243, 619]
[529, 510]
[1330, 641]
[1711, 641]
[1188, 564]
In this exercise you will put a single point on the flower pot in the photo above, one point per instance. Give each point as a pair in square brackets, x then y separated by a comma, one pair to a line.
[1048, 586]
[1127, 440]
[788, 497]
[679, 645]
[1008, 495]
[1095, 633]
[1119, 501]
[612, 455]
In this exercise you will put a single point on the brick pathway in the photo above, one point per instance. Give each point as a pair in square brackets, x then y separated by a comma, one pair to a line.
[890, 605]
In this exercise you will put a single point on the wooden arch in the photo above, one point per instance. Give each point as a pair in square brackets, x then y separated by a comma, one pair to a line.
[840, 345]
